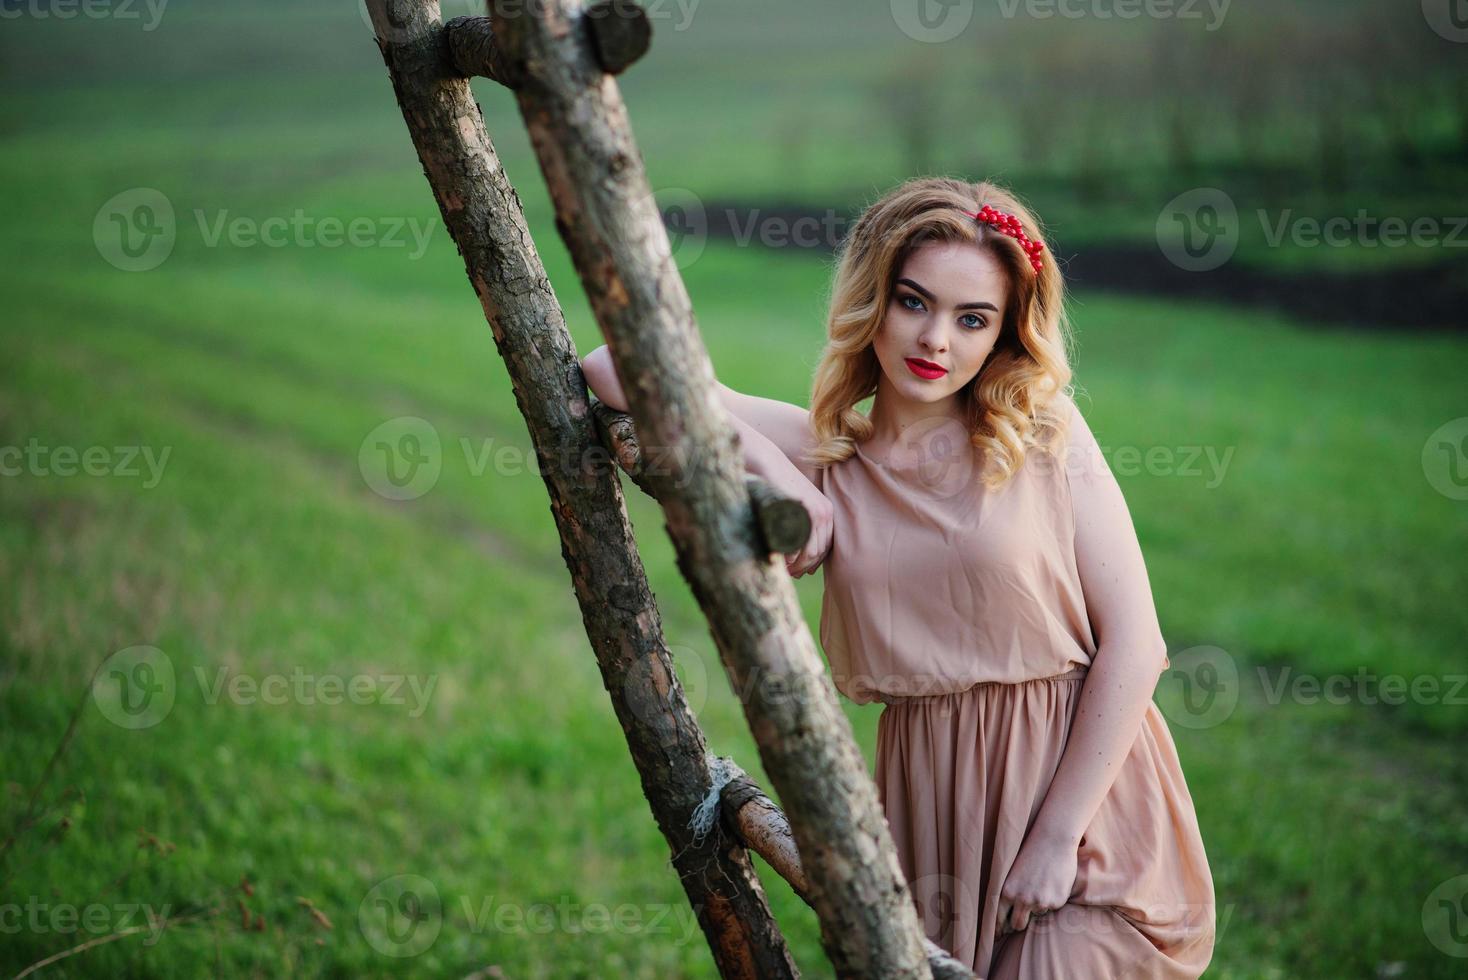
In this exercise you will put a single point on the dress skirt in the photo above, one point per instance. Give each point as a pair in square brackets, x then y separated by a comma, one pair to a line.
[962, 776]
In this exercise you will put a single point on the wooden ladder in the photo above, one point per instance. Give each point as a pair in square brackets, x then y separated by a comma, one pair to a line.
[677, 444]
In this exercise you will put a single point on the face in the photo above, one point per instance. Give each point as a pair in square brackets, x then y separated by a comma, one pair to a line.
[947, 307]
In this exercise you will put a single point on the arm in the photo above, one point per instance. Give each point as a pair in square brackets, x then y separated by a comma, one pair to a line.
[1130, 649]
[1130, 652]
[770, 434]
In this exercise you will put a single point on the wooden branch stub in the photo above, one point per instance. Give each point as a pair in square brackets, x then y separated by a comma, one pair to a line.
[760, 826]
[783, 522]
[472, 50]
[620, 33]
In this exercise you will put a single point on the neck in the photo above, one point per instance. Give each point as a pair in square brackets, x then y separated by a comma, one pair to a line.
[892, 415]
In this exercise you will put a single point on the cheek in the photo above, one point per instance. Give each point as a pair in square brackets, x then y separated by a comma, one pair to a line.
[887, 333]
[979, 352]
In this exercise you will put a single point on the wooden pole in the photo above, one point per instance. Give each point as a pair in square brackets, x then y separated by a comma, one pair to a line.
[482, 213]
[607, 216]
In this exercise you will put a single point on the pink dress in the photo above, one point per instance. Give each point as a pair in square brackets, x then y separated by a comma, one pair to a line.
[961, 608]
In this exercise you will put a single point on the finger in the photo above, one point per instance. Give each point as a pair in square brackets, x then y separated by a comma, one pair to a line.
[1021, 918]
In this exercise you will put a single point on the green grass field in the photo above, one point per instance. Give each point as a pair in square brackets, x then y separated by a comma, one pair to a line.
[483, 757]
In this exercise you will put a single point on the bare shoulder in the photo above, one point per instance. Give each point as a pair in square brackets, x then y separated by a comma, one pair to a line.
[1078, 433]
[785, 424]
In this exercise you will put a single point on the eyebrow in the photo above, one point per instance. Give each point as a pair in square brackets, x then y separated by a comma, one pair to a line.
[961, 306]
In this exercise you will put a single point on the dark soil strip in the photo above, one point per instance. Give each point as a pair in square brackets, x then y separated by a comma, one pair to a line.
[1426, 298]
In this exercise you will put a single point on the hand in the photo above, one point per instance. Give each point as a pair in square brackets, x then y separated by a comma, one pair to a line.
[1039, 881]
[822, 528]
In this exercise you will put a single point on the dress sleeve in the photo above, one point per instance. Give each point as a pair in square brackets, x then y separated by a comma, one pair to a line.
[1109, 558]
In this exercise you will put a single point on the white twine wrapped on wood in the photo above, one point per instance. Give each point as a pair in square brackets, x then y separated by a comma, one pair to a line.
[722, 772]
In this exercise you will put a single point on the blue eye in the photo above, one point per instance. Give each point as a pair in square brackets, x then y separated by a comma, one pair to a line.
[971, 320]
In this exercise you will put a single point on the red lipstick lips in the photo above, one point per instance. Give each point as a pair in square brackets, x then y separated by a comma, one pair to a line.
[925, 369]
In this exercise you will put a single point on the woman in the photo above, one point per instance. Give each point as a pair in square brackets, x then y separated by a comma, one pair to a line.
[984, 580]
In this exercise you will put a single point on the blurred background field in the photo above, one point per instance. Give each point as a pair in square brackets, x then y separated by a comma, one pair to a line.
[1325, 547]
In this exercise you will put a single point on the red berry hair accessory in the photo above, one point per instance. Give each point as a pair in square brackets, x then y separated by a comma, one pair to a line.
[1008, 224]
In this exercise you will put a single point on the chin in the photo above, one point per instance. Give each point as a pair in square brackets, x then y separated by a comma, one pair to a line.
[925, 391]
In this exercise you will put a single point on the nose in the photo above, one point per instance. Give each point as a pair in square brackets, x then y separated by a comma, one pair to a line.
[934, 337]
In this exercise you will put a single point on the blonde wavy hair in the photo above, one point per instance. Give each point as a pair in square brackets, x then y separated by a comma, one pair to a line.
[1018, 400]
